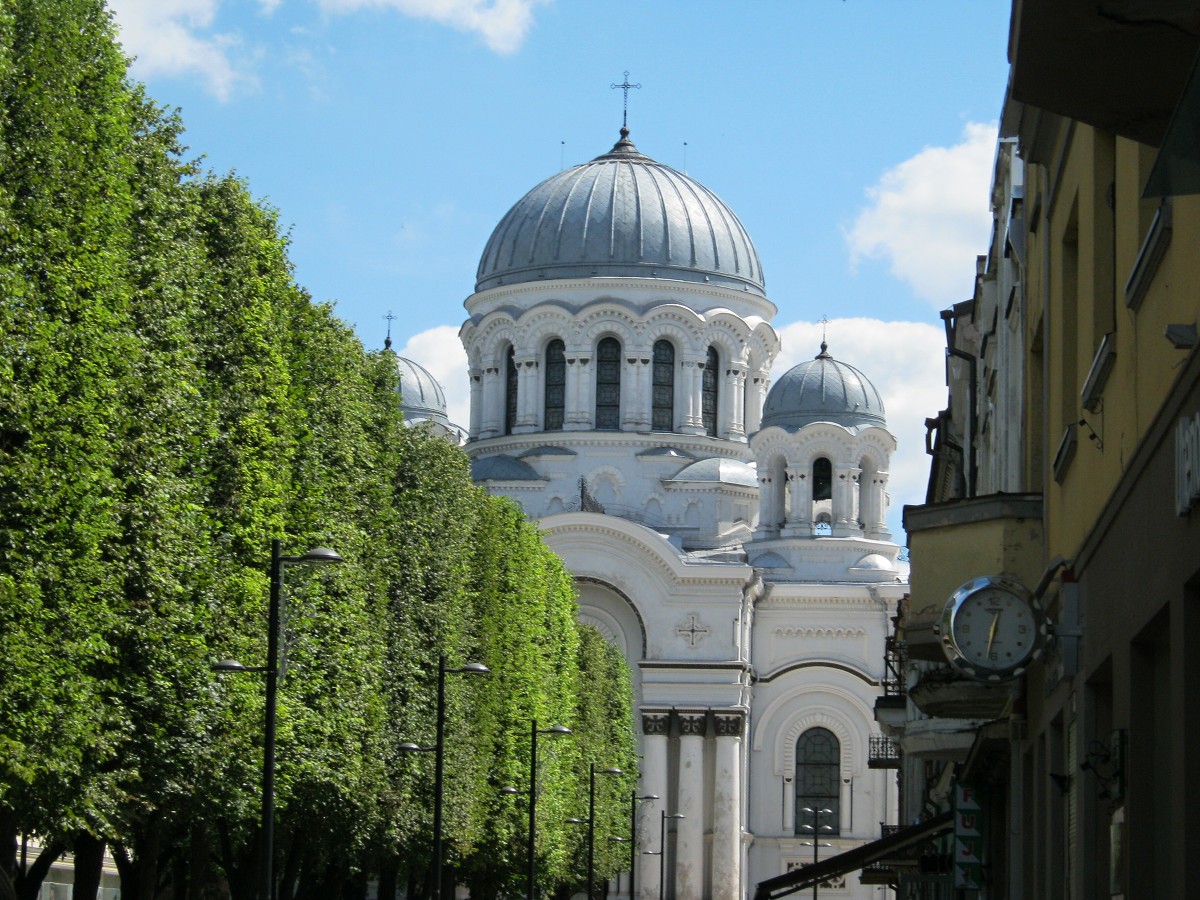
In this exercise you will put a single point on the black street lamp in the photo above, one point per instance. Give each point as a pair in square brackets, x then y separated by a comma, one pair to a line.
[318, 556]
[439, 754]
[816, 828]
[662, 852]
[531, 862]
[592, 825]
[633, 838]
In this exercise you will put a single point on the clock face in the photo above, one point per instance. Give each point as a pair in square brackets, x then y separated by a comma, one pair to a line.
[992, 628]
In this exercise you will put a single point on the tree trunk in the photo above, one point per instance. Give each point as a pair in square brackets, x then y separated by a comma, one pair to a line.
[29, 883]
[89, 864]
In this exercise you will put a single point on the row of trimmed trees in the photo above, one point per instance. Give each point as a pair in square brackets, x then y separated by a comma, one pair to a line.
[170, 401]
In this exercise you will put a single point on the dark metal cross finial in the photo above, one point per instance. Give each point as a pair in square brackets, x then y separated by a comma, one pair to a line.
[387, 342]
[625, 86]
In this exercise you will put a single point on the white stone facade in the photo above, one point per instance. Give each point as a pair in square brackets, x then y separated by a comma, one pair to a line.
[745, 571]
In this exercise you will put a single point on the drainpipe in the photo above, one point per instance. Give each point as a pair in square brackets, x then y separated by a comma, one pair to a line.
[948, 319]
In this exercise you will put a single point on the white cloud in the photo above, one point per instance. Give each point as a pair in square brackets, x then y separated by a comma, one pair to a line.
[165, 37]
[905, 361]
[441, 352]
[929, 217]
[502, 24]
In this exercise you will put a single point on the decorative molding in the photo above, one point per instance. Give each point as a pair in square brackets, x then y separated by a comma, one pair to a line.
[693, 724]
[658, 723]
[729, 724]
[798, 632]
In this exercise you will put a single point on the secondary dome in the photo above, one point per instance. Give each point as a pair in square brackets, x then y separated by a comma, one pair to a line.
[823, 390]
[421, 397]
[622, 214]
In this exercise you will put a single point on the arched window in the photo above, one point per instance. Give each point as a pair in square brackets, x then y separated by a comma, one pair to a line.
[556, 385]
[608, 384]
[818, 782]
[708, 392]
[662, 414]
[510, 391]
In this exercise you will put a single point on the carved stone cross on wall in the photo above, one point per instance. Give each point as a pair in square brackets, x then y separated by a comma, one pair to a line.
[693, 632]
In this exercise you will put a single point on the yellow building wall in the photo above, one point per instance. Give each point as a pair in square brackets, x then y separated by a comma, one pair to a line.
[1092, 229]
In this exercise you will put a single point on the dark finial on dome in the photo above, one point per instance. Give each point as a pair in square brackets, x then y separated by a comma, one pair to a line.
[387, 341]
[824, 354]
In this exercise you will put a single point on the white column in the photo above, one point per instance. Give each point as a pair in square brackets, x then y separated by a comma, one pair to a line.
[756, 394]
[845, 511]
[727, 808]
[737, 403]
[766, 508]
[693, 383]
[476, 402]
[655, 730]
[527, 395]
[645, 393]
[587, 390]
[799, 520]
[689, 834]
[877, 526]
[630, 394]
[493, 402]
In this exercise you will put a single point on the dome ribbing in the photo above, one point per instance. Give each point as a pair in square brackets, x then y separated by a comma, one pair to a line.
[622, 214]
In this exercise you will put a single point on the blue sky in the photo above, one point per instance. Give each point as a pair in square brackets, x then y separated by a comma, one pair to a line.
[854, 138]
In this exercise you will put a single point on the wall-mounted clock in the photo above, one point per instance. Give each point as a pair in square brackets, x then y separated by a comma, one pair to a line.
[992, 628]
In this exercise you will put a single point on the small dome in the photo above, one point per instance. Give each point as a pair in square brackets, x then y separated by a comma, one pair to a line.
[502, 468]
[622, 214]
[421, 397]
[718, 470]
[823, 390]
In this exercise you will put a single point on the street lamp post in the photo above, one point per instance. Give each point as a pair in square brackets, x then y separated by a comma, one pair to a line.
[318, 556]
[531, 861]
[592, 825]
[439, 754]
[816, 828]
[633, 838]
[662, 852]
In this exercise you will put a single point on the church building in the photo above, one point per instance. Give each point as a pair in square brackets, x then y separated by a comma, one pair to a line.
[727, 533]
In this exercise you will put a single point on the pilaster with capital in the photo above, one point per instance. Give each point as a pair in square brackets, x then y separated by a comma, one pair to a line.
[727, 805]
[656, 728]
[799, 523]
[476, 376]
[689, 834]
[527, 394]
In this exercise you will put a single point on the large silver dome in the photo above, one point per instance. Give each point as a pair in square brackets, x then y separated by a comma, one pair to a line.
[622, 214]
[823, 390]
[421, 397]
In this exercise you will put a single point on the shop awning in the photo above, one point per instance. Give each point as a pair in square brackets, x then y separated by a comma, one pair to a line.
[853, 860]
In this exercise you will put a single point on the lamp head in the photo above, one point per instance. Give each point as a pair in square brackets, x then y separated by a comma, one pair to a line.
[473, 668]
[228, 665]
[320, 556]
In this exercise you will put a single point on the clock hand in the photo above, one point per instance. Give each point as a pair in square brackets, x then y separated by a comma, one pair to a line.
[992, 631]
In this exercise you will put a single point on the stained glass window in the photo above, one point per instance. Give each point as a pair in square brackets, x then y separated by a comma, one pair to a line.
[708, 398]
[663, 402]
[510, 392]
[608, 384]
[818, 782]
[556, 385]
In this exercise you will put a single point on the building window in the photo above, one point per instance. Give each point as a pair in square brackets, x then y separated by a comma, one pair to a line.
[510, 391]
[556, 385]
[818, 782]
[663, 402]
[822, 475]
[608, 384]
[708, 392]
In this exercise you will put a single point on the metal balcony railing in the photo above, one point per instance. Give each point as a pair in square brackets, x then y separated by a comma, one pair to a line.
[883, 753]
